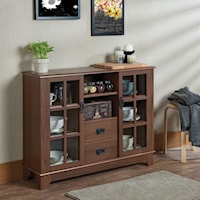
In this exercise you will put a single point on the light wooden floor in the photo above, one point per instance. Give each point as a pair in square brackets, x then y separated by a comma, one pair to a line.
[26, 190]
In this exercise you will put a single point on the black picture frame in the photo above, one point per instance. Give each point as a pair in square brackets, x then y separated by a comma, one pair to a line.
[57, 9]
[107, 17]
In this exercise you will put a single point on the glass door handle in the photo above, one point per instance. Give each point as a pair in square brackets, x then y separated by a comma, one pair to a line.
[121, 102]
[81, 106]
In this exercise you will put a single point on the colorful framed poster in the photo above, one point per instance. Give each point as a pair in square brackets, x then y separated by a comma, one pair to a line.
[57, 9]
[107, 17]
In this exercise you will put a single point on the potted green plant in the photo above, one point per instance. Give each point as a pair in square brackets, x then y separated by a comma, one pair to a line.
[40, 52]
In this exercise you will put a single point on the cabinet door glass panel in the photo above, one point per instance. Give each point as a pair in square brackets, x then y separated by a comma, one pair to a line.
[56, 152]
[128, 112]
[73, 148]
[128, 139]
[128, 85]
[141, 110]
[141, 137]
[72, 121]
[57, 123]
[72, 92]
[141, 84]
[56, 93]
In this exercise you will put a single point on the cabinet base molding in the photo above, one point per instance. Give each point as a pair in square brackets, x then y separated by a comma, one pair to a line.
[44, 180]
[11, 172]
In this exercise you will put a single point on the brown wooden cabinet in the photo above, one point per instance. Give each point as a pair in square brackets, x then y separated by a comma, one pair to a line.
[81, 145]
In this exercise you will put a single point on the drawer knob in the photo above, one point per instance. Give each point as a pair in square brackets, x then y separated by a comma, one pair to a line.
[100, 151]
[100, 131]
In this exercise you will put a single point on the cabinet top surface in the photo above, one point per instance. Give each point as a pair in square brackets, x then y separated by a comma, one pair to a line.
[81, 71]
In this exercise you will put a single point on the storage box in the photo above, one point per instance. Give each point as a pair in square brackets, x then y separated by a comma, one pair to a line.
[97, 109]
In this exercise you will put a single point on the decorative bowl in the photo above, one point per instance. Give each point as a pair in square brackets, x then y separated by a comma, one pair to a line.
[56, 122]
[55, 156]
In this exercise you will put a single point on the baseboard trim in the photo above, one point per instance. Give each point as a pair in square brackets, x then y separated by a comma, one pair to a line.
[173, 141]
[11, 172]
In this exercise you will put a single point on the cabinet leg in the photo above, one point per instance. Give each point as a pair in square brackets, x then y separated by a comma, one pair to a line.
[43, 181]
[150, 159]
[26, 174]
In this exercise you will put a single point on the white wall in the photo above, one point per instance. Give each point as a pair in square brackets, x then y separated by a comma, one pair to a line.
[164, 33]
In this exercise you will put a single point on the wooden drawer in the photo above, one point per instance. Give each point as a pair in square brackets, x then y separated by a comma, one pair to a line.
[99, 151]
[100, 129]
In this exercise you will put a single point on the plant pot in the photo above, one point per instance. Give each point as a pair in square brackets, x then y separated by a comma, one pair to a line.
[41, 65]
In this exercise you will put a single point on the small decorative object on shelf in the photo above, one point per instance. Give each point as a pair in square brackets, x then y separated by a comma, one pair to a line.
[92, 87]
[86, 88]
[53, 98]
[109, 86]
[128, 51]
[131, 59]
[128, 86]
[97, 109]
[119, 56]
[100, 86]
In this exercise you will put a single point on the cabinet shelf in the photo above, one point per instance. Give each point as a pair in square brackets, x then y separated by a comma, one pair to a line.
[56, 135]
[137, 98]
[141, 97]
[140, 123]
[103, 94]
[73, 134]
[128, 98]
[72, 106]
[133, 124]
[56, 107]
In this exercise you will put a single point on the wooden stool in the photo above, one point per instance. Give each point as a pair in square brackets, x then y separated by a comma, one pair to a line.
[183, 133]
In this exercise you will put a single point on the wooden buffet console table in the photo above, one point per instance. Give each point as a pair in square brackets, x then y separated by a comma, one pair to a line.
[83, 145]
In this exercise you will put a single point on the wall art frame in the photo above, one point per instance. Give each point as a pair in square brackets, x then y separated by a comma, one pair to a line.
[107, 17]
[57, 9]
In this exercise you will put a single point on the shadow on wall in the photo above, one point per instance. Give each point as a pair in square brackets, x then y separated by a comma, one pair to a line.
[162, 22]
[13, 134]
[13, 120]
[26, 59]
[176, 52]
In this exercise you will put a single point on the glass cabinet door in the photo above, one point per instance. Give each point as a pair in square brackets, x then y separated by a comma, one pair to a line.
[56, 93]
[133, 103]
[56, 152]
[65, 128]
[57, 120]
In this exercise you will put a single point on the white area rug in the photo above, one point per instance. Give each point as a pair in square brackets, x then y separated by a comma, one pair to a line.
[175, 154]
[161, 185]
